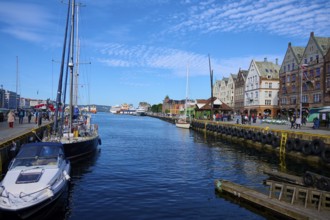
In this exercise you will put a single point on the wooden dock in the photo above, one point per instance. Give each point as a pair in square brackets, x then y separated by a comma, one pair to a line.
[287, 200]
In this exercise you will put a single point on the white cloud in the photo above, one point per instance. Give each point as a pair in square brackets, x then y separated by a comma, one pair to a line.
[268, 16]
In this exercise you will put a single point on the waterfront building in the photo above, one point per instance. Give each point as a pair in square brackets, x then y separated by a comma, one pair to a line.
[203, 108]
[261, 89]
[11, 100]
[231, 90]
[239, 91]
[309, 63]
[2, 97]
[288, 79]
[224, 94]
[216, 88]
[326, 73]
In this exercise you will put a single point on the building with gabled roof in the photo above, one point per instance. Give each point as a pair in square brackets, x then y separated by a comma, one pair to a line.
[239, 91]
[230, 97]
[261, 89]
[288, 78]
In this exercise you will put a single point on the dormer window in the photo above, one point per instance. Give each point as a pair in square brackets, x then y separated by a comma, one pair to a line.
[266, 70]
[269, 76]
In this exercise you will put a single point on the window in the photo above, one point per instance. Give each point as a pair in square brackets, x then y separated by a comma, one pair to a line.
[311, 59]
[288, 79]
[288, 67]
[317, 58]
[305, 61]
[284, 68]
[283, 101]
[305, 75]
[293, 79]
[305, 99]
[292, 66]
[328, 82]
[317, 98]
[293, 100]
[256, 95]
[270, 94]
[293, 89]
[266, 94]
[270, 85]
[311, 73]
[268, 102]
[304, 87]
[317, 85]
[317, 72]
[266, 84]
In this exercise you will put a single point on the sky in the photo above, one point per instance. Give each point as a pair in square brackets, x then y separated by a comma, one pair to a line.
[135, 51]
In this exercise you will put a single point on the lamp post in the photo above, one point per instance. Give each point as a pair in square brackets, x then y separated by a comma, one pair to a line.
[303, 67]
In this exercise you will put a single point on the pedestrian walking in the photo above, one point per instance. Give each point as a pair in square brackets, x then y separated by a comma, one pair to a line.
[293, 121]
[298, 123]
[29, 115]
[39, 118]
[11, 119]
[21, 115]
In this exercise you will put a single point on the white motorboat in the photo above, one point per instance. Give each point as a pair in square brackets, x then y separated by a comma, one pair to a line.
[36, 177]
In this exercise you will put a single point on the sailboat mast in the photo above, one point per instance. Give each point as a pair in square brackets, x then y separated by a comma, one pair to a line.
[76, 75]
[60, 81]
[211, 78]
[187, 81]
[71, 64]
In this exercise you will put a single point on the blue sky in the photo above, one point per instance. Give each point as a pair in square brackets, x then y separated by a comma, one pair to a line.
[138, 50]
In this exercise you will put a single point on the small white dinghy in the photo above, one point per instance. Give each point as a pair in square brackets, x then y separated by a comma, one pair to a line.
[36, 177]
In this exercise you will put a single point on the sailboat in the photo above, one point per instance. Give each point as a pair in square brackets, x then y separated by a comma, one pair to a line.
[182, 122]
[71, 128]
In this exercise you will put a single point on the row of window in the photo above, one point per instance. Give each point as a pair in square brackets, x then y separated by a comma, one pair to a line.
[293, 100]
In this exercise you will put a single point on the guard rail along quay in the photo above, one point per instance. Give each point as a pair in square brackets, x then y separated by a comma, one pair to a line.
[307, 144]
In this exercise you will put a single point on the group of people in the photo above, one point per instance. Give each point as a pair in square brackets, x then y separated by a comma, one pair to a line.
[11, 117]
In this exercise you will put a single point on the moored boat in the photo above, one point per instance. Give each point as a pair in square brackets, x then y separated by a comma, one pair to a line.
[75, 130]
[36, 177]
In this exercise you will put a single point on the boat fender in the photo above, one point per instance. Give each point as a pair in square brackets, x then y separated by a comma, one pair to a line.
[242, 133]
[323, 184]
[275, 141]
[326, 155]
[269, 138]
[254, 136]
[289, 145]
[297, 144]
[100, 142]
[308, 179]
[259, 135]
[317, 146]
[250, 134]
[66, 175]
[263, 139]
[306, 148]
[246, 134]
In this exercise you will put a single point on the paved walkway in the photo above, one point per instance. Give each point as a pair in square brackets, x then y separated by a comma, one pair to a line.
[8, 133]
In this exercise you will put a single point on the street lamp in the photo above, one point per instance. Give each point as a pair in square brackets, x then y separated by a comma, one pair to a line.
[303, 67]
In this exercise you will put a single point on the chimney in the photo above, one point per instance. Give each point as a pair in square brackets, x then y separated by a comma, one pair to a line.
[265, 59]
[312, 34]
[276, 61]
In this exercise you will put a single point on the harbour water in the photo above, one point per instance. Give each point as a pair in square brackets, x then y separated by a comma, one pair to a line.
[149, 169]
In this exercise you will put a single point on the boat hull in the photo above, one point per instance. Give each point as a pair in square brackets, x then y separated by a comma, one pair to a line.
[81, 147]
[182, 125]
[33, 210]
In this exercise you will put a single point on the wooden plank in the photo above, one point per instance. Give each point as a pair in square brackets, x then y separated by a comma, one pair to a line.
[272, 204]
